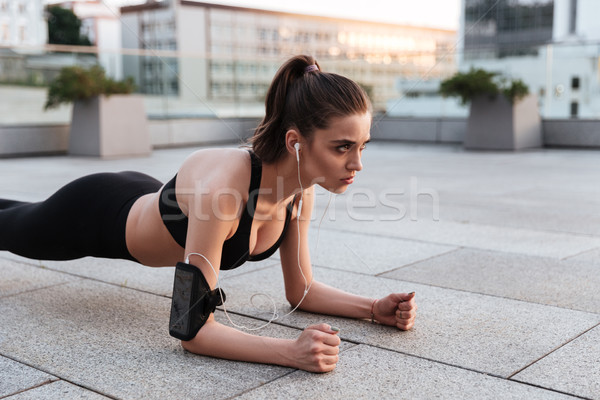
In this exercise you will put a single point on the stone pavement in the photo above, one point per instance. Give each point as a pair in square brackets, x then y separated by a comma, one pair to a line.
[502, 250]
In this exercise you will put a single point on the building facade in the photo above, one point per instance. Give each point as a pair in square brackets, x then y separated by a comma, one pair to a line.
[23, 32]
[552, 45]
[231, 53]
[497, 29]
[22, 23]
[102, 26]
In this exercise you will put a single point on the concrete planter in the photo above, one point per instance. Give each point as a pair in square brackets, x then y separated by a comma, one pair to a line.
[113, 126]
[496, 124]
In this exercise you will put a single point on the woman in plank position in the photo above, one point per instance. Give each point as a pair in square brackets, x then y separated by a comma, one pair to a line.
[225, 207]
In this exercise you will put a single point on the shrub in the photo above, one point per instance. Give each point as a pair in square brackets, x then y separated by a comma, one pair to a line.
[516, 91]
[77, 83]
[477, 82]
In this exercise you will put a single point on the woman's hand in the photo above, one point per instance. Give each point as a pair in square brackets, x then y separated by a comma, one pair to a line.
[397, 309]
[317, 348]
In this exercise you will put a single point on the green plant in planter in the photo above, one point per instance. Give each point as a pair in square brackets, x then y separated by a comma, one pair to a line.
[477, 82]
[77, 83]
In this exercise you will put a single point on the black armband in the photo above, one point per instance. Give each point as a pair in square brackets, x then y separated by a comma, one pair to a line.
[192, 302]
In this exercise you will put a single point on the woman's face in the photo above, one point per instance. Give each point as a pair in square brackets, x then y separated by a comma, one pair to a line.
[334, 153]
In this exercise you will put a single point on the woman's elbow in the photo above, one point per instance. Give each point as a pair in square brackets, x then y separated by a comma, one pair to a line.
[295, 299]
[187, 345]
[197, 344]
[194, 345]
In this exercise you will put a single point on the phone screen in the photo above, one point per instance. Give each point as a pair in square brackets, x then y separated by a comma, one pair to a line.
[182, 302]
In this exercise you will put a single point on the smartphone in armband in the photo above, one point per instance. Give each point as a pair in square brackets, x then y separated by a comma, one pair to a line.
[192, 302]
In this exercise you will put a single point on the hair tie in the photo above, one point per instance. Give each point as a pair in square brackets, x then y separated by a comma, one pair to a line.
[311, 68]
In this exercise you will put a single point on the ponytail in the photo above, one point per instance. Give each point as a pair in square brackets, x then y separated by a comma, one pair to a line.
[303, 97]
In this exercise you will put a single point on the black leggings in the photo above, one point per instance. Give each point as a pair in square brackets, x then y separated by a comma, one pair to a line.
[87, 217]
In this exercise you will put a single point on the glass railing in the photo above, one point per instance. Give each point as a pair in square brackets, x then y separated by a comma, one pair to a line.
[178, 85]
[565, 77]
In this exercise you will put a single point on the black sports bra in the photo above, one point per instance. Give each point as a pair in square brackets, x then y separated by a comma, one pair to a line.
[236, 249]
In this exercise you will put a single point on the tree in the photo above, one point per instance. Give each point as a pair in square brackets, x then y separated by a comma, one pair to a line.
[64, 27]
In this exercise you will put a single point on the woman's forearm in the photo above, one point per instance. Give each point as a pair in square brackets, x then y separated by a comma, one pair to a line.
[325, 299]
[395, 309]
[217, 340]
[315, 350]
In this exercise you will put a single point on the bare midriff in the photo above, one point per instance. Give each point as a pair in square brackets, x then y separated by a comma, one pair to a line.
[148, 240]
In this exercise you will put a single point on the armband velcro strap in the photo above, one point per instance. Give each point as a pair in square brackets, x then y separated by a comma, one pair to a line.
[192, 301]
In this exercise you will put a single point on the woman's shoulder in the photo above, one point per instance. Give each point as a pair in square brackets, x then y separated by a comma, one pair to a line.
[216, 168]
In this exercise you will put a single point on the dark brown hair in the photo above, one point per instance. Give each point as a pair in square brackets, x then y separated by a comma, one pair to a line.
[305, 100]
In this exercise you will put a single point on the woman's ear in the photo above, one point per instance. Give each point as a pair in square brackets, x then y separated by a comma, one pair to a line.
[292, 138]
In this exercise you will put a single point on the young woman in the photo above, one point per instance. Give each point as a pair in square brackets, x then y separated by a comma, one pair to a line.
[227, 206]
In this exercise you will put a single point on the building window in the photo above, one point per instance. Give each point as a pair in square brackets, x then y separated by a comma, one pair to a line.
[5, 33]
[575, 83]
[574, 109]
[573, 17]
[174, 87]
[511, 27]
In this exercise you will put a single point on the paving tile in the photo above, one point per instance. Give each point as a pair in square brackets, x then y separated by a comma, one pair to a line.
[114, 341]
[524, 211]
[574, 368]
[591, 257]
[58, 390]
[367, 254]
[484, 333]
[16, 377]
[17, 277]
[479, 236]
[119, 272]
[366, 372]
[570, 284]
[123, 272]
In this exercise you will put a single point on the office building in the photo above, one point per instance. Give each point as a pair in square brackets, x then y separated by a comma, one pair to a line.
[231, 53]
[553, 45]
[496, 29]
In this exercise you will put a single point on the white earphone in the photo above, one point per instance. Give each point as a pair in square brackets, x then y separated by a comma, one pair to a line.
[297, 147]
